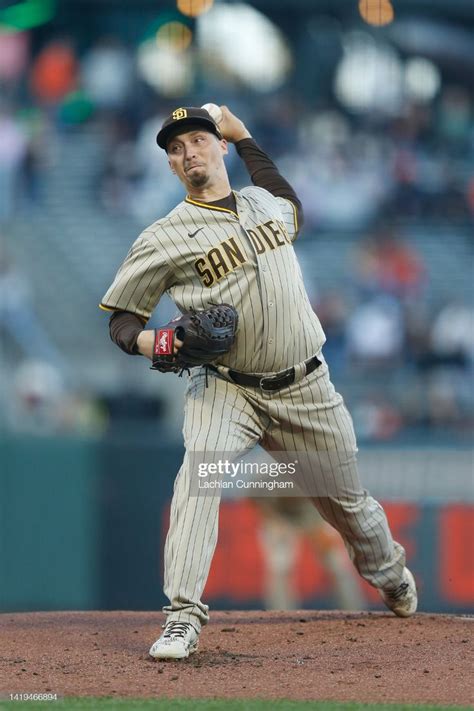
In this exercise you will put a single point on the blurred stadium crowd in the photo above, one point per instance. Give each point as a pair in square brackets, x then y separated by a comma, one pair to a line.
[376, 137]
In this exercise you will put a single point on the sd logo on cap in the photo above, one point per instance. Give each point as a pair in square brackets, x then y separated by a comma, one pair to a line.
[188, 118]
[179, 114]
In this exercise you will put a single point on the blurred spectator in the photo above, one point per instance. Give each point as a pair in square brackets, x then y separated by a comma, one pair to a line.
[17, 316]
[107, 74]
[385, 264]
[443, 350]
[121, 170]
[470, 196]
[54, 72]
[37, 398]
[376, 418]
[333, 312]
[418, 317]
[40, 403]
[448, 341]
[444, 408]
[38, 154]
[455, 116]
[340, 177]
[13, 149]
[276, 136]
[14, 49]
[375, 332]
[452, 334]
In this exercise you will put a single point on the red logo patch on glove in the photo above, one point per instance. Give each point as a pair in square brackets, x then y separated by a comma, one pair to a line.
[164, 342]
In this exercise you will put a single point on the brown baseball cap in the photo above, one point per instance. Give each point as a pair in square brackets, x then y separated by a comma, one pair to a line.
[182, 120]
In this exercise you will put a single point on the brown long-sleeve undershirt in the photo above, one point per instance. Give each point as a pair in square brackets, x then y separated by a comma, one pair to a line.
[124, 326]
[265, 174]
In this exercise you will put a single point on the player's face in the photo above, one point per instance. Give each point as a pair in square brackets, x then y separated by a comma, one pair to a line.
[197, 158]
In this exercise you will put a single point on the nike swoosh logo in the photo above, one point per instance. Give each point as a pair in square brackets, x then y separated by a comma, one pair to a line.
[193, 234]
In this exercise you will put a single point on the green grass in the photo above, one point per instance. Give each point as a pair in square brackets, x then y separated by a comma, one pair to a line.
[108, 704]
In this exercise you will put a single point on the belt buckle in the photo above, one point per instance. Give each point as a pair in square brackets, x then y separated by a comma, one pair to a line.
[283, 380]
[261, 384]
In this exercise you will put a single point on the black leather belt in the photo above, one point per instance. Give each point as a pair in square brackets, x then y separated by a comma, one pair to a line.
[271, 382]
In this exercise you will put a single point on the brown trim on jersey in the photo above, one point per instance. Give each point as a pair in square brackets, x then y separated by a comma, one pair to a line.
[295, 216]
[209, 207]
[111, 309]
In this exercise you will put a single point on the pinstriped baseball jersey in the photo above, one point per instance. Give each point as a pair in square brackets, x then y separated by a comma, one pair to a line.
[201, 254]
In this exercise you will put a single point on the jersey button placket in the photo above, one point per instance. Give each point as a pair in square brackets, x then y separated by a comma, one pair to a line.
[260, 273]
[268, 288]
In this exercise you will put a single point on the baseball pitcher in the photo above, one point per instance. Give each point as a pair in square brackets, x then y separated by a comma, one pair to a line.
[251, 347]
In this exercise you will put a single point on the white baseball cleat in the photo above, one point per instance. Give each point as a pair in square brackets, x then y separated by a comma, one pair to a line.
[178, 641]
[402, 600]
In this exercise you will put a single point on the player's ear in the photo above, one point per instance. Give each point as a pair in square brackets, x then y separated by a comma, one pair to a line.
[171, 168]
[224, 146]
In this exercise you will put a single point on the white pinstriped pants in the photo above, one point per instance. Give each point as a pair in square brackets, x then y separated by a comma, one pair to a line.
[306, 417]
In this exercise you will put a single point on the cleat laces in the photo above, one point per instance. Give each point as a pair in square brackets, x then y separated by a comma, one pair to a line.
[399, 592]
[176, 629]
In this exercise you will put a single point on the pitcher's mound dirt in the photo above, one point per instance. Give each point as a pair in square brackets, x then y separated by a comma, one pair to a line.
[296, 655]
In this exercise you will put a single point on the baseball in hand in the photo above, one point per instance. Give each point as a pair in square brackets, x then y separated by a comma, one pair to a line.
[214, 111]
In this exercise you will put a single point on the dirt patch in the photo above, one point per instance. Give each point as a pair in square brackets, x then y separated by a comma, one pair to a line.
[297, 655]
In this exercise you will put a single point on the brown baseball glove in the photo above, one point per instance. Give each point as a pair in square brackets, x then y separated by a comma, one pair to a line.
[206, 335]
